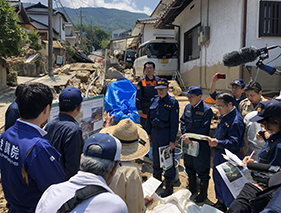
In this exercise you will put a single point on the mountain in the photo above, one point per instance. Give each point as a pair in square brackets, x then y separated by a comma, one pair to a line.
[107, 19]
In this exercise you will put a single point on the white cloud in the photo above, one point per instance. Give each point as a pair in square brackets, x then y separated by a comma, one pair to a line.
[128, 5]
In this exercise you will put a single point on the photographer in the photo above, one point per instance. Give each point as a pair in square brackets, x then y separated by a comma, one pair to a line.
[269, 116]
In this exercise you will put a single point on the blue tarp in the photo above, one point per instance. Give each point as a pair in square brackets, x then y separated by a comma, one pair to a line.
[120, 100]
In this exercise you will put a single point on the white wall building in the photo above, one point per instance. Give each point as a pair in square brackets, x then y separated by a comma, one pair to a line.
[70, 35]
[119, 33]
[145, 28]
[39, 13]
[232, 25]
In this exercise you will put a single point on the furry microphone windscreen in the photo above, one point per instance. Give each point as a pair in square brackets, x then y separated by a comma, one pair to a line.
[244, 55]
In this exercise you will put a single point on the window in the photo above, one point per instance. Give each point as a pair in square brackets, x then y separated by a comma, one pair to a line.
[270, 18]
[191, 47]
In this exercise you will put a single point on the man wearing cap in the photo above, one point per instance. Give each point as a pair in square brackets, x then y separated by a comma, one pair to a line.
[29, 163]
[269, 116]
[237, 89]
[253, 93]
[229, 135]
[162, 127]
[101, 156]
[146, 91]
[197, 118]
[64, 131]
[127, 181]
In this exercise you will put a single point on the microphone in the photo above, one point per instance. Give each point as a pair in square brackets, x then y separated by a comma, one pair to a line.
[244, 55]
[269, 69]
[262, 167]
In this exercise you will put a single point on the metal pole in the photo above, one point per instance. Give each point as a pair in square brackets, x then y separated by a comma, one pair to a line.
[50, 37]
[81, 31]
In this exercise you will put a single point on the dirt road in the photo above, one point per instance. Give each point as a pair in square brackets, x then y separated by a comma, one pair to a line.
[7, 97]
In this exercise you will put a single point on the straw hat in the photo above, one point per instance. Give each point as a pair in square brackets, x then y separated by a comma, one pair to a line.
[134, 139]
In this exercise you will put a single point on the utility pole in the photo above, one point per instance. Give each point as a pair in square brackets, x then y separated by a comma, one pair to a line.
[92, 36]
[81, 30]
[50, 37]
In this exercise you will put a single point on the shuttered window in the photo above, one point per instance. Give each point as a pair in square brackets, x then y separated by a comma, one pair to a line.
[270, 18]
[191, 47]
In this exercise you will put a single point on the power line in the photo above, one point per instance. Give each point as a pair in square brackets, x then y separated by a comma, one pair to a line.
[102, 13]
[64, 11]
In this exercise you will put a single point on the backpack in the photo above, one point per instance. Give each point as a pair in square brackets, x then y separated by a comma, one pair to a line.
[81, 195]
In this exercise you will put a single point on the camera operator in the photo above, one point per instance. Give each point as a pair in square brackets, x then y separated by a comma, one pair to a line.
[254, 198]
[269, 116]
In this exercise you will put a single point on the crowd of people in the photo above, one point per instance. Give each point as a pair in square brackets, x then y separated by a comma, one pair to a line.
[52, 169]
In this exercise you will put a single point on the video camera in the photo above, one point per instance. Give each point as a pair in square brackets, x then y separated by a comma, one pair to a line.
[264, 172]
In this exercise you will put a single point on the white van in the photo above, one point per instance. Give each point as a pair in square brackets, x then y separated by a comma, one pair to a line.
[164, 54]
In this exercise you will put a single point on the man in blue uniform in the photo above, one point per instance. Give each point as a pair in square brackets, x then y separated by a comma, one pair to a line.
[237, 89]
[162, 127]
[64, 131]
[197, 118]
[12, 113]
[229, 135]
[269, 116]
[146, 91]
[29, 163]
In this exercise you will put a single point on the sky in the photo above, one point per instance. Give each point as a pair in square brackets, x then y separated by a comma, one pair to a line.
[141, 6]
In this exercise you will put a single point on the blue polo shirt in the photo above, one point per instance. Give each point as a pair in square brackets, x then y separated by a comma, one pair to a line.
[29, 165]
[65, 135]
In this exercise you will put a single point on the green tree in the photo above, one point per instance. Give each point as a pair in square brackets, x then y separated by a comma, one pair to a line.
[12, 34]
[33, 40]
[85, 50]
[70, 50]
[105, 44]
[98, 36]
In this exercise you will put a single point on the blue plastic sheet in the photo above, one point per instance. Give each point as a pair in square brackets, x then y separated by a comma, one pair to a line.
[120, 100]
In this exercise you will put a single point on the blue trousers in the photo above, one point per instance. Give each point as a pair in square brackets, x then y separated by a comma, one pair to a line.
[161, 138]
[221, 189]
[201, 164]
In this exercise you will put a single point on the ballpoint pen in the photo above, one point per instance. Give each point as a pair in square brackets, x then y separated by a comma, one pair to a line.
[252, 154]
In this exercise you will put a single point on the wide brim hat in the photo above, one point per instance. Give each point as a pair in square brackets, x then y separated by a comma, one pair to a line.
[134, 139]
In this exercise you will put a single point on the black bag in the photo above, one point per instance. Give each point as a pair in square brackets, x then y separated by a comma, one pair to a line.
[81, 195]
[260, 202]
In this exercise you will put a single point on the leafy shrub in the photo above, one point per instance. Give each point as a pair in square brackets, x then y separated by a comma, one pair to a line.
[70, 50]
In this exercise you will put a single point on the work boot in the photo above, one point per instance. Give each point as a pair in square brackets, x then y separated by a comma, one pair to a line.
[192, 185]
[168, 188]
[220, 205]
[203, 192]
[159, 177]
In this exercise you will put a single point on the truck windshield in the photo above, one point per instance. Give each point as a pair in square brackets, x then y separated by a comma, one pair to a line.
[163, 50]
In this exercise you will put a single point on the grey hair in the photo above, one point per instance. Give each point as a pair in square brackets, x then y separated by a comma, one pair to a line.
[96, 165]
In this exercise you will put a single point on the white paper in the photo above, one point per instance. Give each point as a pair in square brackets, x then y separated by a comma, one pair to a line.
[234, 177]
[167, 208]
[229, 156]
[207, 208]
[150, 186]
[196, 136]
[165, 157]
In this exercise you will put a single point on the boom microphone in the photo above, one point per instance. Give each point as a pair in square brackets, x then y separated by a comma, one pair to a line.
[244, 55]
[262, 167]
